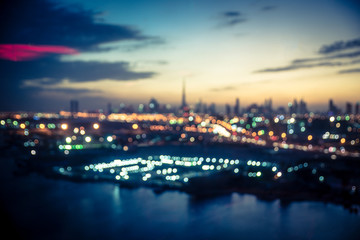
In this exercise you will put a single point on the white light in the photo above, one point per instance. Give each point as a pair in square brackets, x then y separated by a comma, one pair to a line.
[109, 139]
[274, 169]
[87, 139]
[205, 167]
[258, 174]
[236, 170]
[186, 179]
[279, 174]
[68, 140]
[33, 152]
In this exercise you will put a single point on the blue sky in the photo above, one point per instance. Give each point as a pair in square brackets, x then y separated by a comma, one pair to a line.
[223, 49]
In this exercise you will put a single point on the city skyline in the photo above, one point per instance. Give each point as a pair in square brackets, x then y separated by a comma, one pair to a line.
[130, 52]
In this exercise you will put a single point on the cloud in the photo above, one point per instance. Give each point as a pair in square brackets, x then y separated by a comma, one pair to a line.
[231, 18]
[268, 8]
[338, 58]
[303, 66]
[23, 52]
[353, 70]
[70, 91]
[340, 46]
[227, 88]
[74, 71]
[153, 42]
[232, 14]
[45, 22]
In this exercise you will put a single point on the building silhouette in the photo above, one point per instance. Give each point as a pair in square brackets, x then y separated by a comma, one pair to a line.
[333, 110]
[348, 108]
[227, 109]
[237, 107]
[74, 106]
[183, 99]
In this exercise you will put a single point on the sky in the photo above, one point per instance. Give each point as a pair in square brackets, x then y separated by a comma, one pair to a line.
[128, 51]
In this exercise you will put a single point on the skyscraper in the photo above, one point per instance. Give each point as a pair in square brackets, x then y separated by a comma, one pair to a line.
[237, 107]
[109, 109]
[302, 107]
[74, 106]
[183, 102]
[348, 108]
[227, 109]
[198, 106]
[332, 108]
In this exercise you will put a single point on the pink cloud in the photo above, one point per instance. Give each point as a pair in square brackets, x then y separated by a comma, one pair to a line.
[23, 52]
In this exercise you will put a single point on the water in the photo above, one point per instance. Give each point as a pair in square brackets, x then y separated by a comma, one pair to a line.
[35, 207]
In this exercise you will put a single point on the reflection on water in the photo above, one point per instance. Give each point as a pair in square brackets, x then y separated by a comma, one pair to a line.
[41, 208]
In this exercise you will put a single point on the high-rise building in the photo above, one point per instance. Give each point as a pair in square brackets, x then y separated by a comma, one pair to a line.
[212, 109]
[237, 107]
[183, 100]
[227, 109]
[302, 107]
[357, 108]
[74, 106]
[348, 108]
[268, 106]
[198, 106]
[154, 105]
[332, 108]
[109, 109]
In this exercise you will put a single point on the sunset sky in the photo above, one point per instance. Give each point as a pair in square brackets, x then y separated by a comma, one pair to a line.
[127, 51]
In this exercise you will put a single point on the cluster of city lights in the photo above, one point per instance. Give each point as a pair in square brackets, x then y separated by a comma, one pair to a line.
[165, 168]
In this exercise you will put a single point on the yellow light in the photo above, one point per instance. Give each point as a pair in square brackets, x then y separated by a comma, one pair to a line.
[126, 148]
[64, 126]
[135, 126]
[254, 134]
[310, 137]
[42, 126]
[271, 133]
[283, 135]
[96, 126]
[68, 140]
[87, 139]
[22, 125]
[343, 140]
[338, 125]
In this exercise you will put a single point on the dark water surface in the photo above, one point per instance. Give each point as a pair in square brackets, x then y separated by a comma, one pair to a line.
[35, 207]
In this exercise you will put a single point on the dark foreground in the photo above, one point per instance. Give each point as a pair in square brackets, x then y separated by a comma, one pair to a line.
[35, 207]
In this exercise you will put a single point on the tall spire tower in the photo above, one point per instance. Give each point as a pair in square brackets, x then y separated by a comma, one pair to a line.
[183, 103]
